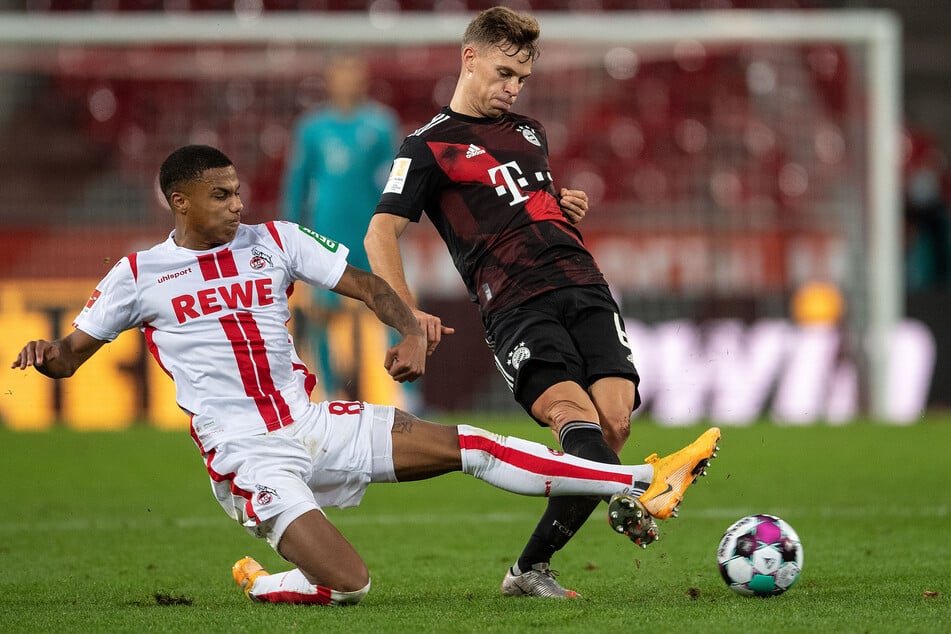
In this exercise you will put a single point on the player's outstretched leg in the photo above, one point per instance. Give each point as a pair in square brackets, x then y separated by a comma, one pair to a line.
[530, 468]
[673, 474]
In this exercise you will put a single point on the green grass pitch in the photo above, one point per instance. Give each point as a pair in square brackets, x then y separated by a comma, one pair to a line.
[107, 532]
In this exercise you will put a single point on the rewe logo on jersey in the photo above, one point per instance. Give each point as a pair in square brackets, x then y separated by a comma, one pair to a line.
[207, 301]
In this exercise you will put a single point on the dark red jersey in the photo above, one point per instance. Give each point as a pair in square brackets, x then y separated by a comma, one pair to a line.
[487, 187]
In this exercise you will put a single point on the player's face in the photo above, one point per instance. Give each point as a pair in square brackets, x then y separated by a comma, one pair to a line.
[212, 209]
[493, 79]
[347, 82]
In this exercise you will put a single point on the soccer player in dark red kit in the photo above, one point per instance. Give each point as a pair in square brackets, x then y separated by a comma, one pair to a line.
[481, 174]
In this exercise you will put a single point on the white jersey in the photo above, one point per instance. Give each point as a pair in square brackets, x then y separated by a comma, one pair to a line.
[216, 322]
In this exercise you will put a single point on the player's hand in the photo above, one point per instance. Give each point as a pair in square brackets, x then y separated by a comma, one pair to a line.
[36, 353]
[406, 361]
[433, 329]
[574, 204]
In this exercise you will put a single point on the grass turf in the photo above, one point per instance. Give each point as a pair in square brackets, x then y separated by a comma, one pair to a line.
[119, 532]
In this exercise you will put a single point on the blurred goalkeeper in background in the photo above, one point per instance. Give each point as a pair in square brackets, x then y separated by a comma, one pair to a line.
[481, 174]
[212, 303]
[339, 156]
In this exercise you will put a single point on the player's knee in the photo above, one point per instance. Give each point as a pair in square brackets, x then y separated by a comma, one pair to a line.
[616, 432]
[558, 412]
[350, 597]
[355, 581]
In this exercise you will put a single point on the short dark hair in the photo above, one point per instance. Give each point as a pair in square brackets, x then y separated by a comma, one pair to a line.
[512, 32]
[187, 164]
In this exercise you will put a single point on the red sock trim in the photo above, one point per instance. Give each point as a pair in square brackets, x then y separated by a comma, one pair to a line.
[538, 464]
[321, 597]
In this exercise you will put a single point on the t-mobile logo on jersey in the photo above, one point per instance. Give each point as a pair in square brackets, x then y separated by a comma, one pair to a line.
[512, 181]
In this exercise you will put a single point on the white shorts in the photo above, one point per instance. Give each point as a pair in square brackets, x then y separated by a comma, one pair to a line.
[325, 459]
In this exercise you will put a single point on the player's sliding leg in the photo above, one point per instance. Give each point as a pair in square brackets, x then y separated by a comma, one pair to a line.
[336, 574]
[530, 468]
[329, 570]
[655, 490]
[423, 450]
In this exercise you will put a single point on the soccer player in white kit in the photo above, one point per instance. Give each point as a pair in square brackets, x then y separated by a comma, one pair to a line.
[211, 301]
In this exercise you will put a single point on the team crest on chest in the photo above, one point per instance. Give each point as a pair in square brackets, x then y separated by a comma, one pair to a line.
[529, 134]
[259, 259]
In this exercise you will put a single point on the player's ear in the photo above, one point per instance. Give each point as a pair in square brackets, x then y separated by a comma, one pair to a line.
[178, 202]
[468, 58]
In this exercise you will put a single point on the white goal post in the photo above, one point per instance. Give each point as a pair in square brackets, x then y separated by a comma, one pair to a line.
[876, 34]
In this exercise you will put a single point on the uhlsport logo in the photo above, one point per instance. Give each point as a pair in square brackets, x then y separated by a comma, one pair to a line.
[172, 276]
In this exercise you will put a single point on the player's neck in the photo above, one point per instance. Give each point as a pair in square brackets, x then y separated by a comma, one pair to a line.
[460, 105]
[192, 242]
[462, 109]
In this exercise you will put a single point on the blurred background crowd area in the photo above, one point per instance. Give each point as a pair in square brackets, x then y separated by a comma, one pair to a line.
[636, 148]
[722, 177]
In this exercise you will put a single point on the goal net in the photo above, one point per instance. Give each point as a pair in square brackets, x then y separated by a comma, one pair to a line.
[730, 157]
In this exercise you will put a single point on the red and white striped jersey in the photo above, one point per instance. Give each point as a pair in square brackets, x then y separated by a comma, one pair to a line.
[216, 322]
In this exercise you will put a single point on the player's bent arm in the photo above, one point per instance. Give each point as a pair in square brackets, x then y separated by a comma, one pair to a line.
[405, 361]
[383, 251]
[379, 297]
[58, 359]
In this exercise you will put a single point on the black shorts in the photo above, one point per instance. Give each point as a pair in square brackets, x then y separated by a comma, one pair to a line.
[569, 334]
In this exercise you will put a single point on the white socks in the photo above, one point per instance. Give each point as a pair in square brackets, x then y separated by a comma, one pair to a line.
[530, 468]
[293, 587]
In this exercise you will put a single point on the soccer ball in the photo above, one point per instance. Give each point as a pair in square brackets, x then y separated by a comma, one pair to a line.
[760, 555]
